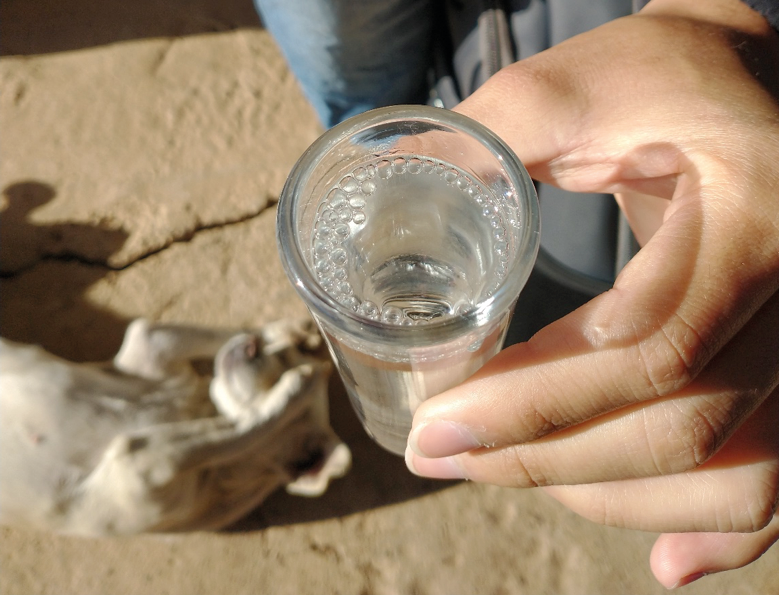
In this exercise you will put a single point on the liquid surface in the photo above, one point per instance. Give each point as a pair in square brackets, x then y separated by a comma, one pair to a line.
[409, 240]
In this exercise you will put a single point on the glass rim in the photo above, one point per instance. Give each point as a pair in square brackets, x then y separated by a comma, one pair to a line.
[325, 307]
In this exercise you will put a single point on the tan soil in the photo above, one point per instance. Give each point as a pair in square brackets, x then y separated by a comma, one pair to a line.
[143, 147]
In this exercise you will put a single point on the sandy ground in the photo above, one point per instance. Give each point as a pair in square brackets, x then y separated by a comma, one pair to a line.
[143, 147]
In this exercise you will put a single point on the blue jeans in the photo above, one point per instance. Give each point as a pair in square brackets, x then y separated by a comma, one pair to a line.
[354, 55]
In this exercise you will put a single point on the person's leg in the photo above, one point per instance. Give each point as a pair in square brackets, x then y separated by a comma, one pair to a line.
[353, 55]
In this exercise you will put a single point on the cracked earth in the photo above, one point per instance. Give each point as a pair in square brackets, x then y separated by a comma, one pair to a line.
[122, 164]
[143, 148]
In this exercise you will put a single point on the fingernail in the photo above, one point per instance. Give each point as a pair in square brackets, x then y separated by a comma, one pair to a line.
[443, 468]
[441, 439]
[688, 579]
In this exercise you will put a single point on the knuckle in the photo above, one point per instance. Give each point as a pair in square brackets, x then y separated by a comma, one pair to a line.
[537, 424]
[511, 464]
[694, 437]
[753, 510]
[604, 509]
[671, 357]
[762, 506]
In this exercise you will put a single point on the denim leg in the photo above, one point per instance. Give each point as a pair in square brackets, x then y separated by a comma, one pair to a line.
[353, 55]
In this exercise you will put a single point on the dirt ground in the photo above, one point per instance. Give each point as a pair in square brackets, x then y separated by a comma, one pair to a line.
[143, 147]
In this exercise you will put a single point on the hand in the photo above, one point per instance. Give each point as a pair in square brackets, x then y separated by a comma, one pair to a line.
[655, 406]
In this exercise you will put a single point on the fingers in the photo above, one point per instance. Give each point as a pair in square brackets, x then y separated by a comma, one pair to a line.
[677, 559]
[665, 436]
[669, 436]
[736, 490]
[734, 499]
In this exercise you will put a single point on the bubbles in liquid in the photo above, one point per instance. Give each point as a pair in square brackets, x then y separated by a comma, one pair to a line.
[349, 301]
[327, 283]
[368, 309]
[321, 248]
[392, 315]
[349, 184]
[339, 257]
[384, 169]
[344, 207]
[324, 233]
[450, 176]
[336, 199]
[414, 165]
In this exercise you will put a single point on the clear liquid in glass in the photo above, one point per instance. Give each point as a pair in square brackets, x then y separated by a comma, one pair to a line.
[409, 240]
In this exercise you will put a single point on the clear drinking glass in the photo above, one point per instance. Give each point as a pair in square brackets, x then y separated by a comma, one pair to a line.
[409, 232]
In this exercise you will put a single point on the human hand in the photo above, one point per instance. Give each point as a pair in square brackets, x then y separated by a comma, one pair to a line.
[656, 405]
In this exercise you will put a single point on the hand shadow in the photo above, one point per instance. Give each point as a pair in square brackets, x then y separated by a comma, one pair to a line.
[45, 279]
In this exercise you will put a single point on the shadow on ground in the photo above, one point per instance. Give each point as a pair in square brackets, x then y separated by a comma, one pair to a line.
[377, 479]
[46, 26]
[44, 286]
